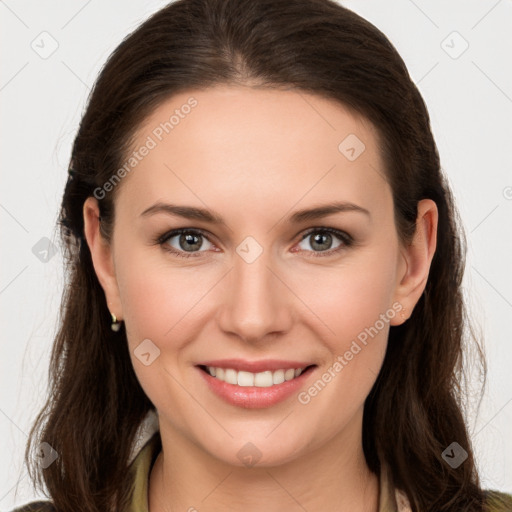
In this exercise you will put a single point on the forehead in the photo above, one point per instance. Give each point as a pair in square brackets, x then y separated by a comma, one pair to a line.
[259, 144]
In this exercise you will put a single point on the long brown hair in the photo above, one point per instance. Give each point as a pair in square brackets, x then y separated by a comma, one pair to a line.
[414, 411]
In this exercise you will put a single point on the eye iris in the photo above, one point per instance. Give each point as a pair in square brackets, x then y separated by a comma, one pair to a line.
[324, 236]
[187, 241]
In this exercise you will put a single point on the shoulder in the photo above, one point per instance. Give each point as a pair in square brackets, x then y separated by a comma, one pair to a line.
[37, 506]
[498, 501]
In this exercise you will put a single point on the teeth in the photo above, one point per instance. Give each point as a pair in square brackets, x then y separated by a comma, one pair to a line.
[261, 380]
[289, 374]
[245, 379]
[230, 376]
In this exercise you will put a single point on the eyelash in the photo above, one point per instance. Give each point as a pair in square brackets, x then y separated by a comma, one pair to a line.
[347, 240]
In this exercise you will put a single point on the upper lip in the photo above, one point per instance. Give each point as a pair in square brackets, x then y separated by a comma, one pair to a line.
[255, 366]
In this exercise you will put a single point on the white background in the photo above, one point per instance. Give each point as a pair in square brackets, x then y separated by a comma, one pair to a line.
[470, 103]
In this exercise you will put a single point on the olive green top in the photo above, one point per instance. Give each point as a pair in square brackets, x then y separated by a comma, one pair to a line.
[390, 499]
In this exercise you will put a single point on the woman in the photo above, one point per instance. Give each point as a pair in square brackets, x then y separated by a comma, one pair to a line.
[264, 306]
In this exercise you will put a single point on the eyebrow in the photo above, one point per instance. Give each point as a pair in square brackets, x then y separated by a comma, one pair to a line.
[195, 213]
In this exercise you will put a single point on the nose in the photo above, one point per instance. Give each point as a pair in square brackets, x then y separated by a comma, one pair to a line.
[256, 303]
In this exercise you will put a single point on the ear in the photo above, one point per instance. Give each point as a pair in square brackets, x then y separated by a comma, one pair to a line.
[416, 258]
[102, 256]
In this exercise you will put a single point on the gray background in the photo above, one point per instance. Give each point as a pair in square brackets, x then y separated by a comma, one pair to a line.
[469, 95]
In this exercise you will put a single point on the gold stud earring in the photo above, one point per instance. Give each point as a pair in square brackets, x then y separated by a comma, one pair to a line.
[115, 326]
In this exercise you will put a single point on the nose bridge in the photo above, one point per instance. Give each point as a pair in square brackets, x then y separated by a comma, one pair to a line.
[256, 302]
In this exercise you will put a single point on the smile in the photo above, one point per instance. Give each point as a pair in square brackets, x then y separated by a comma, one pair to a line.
[255, 385]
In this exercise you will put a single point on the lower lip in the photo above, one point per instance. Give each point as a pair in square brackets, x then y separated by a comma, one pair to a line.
[253, 397]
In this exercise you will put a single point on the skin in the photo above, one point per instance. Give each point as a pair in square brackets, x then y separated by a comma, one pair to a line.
[255, 156]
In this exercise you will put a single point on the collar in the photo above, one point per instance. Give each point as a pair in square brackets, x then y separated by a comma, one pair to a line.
[149, 445]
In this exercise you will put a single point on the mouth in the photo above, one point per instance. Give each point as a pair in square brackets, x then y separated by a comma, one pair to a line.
[269, 382]
[264, 379]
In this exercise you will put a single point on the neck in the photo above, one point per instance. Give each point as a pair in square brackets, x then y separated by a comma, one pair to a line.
[333, 477]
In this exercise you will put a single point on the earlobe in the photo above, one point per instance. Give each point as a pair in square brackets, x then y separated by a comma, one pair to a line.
[102, 256]
[418, 256]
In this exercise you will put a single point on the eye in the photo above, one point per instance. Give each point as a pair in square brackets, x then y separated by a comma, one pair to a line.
[186, 243]
[322, 241]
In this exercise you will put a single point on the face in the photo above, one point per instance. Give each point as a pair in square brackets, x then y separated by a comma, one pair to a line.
[261, 286]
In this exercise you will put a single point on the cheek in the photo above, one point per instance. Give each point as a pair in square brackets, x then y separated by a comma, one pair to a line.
[161, 304]
[351, 297]
[354, 304]
[160, 301]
